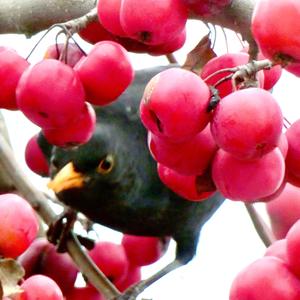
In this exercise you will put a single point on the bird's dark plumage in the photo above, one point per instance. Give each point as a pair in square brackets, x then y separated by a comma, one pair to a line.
[130, 198]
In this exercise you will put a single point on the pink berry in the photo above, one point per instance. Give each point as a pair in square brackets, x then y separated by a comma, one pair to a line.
[278, 41]
[111, 259]
[109, 16]
[50, 94]
[184, 185]
[293, 248]
[258, 281]
[284, 210]
[144, 250]
[278, 249]
[40, 287]
[228, 60]
[191, 157]
[133, 276]
[248, 180]
[84, 293]
[35, 159]
[72, 53]
[12, 66]
[76, 133]
[153, 22]
[235, 130]
[105, 72]
[19, 225]
[174, 104]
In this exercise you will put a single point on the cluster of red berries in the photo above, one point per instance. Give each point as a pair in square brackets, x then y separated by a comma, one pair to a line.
[121, 263]
[276, 275]
[56, 95]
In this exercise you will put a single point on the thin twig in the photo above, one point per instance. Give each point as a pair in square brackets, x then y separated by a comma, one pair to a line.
[40, 203]
[261, 227]
[171, 58]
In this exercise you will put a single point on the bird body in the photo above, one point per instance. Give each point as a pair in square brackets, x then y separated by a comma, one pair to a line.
[119, 185]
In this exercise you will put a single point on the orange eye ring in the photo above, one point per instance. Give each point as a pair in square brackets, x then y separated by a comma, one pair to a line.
[106, 165]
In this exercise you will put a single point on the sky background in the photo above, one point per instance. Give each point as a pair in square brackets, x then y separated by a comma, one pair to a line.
[228, 241]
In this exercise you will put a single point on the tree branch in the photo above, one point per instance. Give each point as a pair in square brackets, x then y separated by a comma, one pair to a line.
[40, 203]
[31, 16]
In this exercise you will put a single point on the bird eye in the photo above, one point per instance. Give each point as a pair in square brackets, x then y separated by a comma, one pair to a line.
[106, 164]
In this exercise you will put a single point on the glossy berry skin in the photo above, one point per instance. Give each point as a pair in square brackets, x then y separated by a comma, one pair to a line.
[228, 60]
[109, 16]
[48, 109]
[165, 19]
[76, 133]
[248, 180]
[72, 55]
[235, 130]
[12, 66]
[41, 258]
[19, 225]
[111, 259]
[144, 250]
[293, 154]
[105, 72]
[284, 210]
[293, 248]
[278, 41]
[191, 157]
[184, 185]
[175, 111]
[40, 287]
[35, 159]
[266, 278]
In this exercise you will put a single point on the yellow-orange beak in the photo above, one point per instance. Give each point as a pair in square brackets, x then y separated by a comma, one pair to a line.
[66, 178]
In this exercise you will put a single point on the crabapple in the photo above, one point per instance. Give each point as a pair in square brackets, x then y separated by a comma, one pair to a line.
[235, 130]
[293, 248]
[19, 225]
[248, 180]
[133, 276]
[105, 72]
[278, 249]
[50, 94]
[12, 66]
[175, 111]
[144, 250]
[35, 158]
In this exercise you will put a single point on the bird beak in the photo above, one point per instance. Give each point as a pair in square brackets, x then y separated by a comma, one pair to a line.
[66, 178]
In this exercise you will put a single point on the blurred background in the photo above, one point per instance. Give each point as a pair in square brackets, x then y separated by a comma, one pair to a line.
[228, 241]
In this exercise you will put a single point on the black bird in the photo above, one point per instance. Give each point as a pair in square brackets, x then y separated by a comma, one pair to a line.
[113, 180]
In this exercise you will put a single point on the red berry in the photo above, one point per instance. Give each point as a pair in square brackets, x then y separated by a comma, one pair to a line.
[12, 67]
[184, 185]
[266, 278]
[111, 259]
[246, 180]
[278, 41]
[191, 157]
[50, 94]
[144, 250]
[40, 287]
[284, 210]
[76, 133]
[109, 16]
[293, 248]
[153, 22]
[72, 53]
[235, 130]
[105, 72]
[19, 225]
[174, 104]
[35, 159]
[228, 60]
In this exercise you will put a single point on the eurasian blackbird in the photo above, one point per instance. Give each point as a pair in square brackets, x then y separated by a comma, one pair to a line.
[113, 179]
